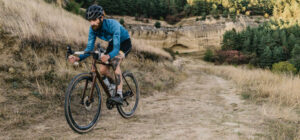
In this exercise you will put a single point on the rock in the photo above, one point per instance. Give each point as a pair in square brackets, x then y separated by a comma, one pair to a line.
[11, 70]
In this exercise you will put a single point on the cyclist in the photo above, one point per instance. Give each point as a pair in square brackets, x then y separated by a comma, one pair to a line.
[119, 44]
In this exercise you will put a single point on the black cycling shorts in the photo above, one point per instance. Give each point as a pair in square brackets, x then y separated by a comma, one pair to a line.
[125, 47]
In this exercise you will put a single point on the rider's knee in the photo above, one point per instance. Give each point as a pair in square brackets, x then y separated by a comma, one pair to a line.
[118, 70]
[103, 71]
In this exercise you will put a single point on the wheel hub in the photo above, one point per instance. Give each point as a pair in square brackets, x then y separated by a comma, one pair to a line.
[87, 103]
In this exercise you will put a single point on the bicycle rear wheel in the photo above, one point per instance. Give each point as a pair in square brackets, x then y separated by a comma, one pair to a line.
[131, 95]
[81, 114]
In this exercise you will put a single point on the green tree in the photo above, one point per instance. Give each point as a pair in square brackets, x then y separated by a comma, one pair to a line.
[276, 36]
[180, 4]
[225, 14]
[85, 3]
[255, 42]
[278, 54]
[266, 60]
[292, 40]
[246, 45]
[73, 7]
[296, 57]
[229, 40]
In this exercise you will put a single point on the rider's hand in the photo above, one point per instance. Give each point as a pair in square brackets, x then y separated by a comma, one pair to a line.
[73, 59]
[104, 58]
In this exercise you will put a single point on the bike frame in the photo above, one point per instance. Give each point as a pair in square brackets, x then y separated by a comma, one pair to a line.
[96, 75]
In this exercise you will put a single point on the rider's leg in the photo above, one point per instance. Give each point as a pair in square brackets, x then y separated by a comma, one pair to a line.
[104, 70]
[117, 69]
[119, 84]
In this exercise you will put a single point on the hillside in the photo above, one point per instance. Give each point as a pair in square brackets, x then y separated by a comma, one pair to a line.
[182, 97]
[34, 71]
[189, 35]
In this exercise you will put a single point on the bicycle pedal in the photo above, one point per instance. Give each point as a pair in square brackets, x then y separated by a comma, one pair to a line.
[117, 100]
[110, 104]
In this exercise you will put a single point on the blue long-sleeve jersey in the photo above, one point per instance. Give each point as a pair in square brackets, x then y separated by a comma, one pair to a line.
[110, 30]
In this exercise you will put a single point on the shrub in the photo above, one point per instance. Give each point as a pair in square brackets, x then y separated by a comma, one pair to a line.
[157, 24]
[208, 55]
[284, 67]
[73, 7]
[122, 21]
[231, 57]
[225, 14]
[203, 16]
[248, 13]
[266, 15]
[232, 10]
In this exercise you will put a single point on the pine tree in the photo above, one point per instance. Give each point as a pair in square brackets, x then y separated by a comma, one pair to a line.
[229, 40]
[296, 56]
[180, 4]
[276, 36]
[85, 3]
[283, 38]
[278, 54]
[292, 40]
[255, 42]
[107, 5]
[247, 45]
[266, 59]
[261, 45]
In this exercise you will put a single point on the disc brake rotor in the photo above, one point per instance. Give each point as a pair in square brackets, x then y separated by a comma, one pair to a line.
[87, 105]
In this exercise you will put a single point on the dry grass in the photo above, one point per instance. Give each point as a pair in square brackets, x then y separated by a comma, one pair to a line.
[278, 88]
[34, 87]
[143, 46]
[280, 94]
[34, 79]
[43, 23]
[37, 20]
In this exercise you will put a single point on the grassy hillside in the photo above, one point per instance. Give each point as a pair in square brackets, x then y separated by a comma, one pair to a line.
[278, 95]
[33, 69]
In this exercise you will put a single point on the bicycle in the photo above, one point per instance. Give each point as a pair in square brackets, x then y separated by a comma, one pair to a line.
[84, 93]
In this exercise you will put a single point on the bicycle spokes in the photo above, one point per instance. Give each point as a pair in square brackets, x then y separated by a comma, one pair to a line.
[81, 109]
[130, 94]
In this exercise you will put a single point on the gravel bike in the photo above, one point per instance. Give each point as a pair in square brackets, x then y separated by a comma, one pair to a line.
[83, 99]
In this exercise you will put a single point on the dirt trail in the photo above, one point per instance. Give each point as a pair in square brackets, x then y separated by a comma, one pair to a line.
[201, 107]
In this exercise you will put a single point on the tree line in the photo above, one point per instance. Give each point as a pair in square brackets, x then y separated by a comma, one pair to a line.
[173, 10]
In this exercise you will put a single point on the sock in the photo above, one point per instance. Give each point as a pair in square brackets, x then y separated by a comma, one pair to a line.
[105, 80]
[120, 93]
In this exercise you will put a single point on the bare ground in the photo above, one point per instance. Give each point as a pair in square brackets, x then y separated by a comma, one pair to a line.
[201, 107]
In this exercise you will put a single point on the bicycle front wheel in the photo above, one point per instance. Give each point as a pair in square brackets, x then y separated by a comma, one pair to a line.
[131, 95]
[81, 110]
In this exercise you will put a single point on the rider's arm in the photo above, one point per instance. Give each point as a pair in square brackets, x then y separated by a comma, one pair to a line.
[90, 44]
[116, 31]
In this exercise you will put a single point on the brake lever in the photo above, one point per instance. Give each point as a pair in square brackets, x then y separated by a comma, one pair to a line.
[69, 52]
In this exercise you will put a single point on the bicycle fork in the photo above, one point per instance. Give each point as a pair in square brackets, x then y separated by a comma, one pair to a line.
[91, 98]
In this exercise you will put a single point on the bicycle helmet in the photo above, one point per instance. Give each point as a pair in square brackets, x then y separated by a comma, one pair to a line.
[94, 12]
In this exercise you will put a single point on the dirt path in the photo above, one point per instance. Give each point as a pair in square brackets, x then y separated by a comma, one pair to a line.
[201, 107]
